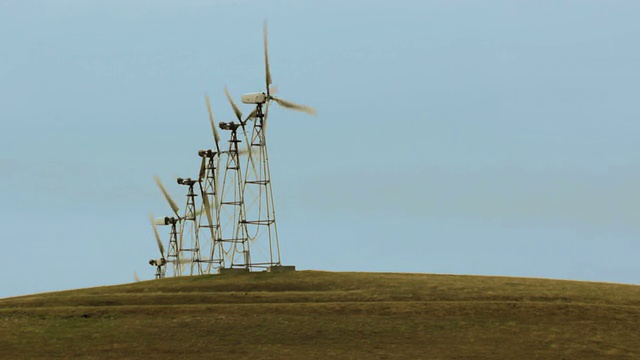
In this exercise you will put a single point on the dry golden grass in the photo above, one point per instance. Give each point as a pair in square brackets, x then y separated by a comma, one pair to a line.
[322, 315]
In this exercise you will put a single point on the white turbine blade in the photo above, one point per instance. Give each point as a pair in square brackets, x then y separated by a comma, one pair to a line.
[202, 167]
[172, 203]
[180, 261]
[248, 151]
[264, 122]
[216, 136]
[293, 106]
[236, 110]
[155, 231]
[135, 277]
[252, 114]
[216, 175]
[267, 71]
[207, 209]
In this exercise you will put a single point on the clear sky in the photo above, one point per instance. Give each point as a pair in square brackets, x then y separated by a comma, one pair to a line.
[458, 137]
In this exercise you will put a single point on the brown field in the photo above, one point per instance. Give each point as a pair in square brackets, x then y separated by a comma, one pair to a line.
[323, 315]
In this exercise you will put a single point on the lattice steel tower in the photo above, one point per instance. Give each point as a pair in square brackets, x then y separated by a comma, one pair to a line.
[260, 211]
[189, 227]
[260, 222]
[233, 231]
[210, 229]
[173, 253]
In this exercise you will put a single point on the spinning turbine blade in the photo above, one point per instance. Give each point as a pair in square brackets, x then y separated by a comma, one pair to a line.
[247, 150]
[155, 231]
[266, 59]
[203, 165]
[244, 130]
[267, 70]
[207, 209]
[215, 182]
[181, 261]
[216, 136]
[135, 277]
[252, 114]
[236, 110]
[172, 203]
[293, 106]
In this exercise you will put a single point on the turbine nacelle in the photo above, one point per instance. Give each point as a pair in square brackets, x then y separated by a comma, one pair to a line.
[254, 98]
[229, 126]
[165, 221]
[158, 262]
[206, 153]
[187, 181]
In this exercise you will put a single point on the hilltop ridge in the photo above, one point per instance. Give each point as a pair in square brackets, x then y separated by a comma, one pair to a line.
[313, 314]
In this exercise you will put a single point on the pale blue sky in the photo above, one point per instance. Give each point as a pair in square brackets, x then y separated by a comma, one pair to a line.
[451, 137]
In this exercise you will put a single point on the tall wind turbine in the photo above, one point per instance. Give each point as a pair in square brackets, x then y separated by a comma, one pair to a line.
[259, 205]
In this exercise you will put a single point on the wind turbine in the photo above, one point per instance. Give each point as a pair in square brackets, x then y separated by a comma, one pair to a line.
[208, 184]
[160, 263]
[265, 98]
[235, 247]
[175, 242]
[260, 217]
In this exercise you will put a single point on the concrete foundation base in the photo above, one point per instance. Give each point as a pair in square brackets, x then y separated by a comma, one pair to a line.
[222, 271]
[281, 268]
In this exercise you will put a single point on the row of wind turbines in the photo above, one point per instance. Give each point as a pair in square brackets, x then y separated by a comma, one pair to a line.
[233, 225]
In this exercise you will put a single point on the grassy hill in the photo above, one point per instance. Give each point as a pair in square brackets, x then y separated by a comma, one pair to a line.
[322, 315]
